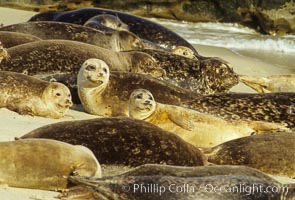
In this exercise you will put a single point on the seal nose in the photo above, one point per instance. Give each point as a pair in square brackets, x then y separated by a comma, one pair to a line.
[69, 102]
[147, 102]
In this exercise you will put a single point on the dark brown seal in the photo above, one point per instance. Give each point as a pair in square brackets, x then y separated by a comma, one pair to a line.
[123, 141]
[11, 39]
[271, 153]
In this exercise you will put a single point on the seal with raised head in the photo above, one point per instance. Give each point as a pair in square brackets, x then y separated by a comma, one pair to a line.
[106, 23]
[117, 41]
[222, 187]
[30, 96]
[123, 141]
[271, 153]
[11, 39]
[201, 130]
[64, 56]
[43, 164]
[107, 93]
[270, 107]
[274, 83]
[141, 27]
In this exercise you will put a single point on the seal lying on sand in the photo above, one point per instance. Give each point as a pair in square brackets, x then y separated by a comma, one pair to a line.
[141, 27]
[123, 141]
[43, 163]
[206, 76]
[11, 39]
[199, 129]
[275, 83]
[143, 187]
[117, 41]
[107, 93]
[271, 153]
[271, 107]
[30, 96]
[106, 23]
[55, 56]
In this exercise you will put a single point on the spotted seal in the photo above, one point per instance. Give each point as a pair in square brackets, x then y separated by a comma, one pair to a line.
[183, 51]
[275, 83]
[199, 129]
[50, 56]
[30, 96]
[141, 27]
[270, 107]
[123, 141]
[3, 53]
[43, 163]
[11, 39]
[107, 93]
[271, 153]
[117, 41]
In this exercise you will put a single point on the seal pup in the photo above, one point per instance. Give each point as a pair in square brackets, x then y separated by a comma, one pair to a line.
[117, 41]
[170, 187]
[43, 164]
[64, 56]
[205, 76]
[123, 141]
[199, 129]
[271, 153]
[11, 39]
[269, 107]
[106, 23]
[107, 94]
[3, 53]
[30, 96]
[274, 83]
[141, 27]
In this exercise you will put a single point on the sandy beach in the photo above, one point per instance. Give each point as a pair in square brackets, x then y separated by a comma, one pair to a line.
[14, 125]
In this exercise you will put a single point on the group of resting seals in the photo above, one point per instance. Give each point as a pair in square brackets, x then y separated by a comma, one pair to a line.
[113, 147]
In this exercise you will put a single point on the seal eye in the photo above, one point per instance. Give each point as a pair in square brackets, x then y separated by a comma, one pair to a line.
[119, 25]
[139, 96]
[90, 68]
[151, 98]
[105, 70]
[58, 94]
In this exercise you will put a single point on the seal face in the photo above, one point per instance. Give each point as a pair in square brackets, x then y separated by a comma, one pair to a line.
[43, 163]
[3, 53]
[183, 51]
[123, 141]
[30, 96]
[275, 83]
[196, 128]
[263, 152]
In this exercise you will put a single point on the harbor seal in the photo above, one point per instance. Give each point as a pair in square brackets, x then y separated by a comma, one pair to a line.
[271, 153]
[107, 93]
[30, 96]
[43, 164]
[170, 187]
[106, 23]
[269, 107]
[183, 51]
[199, 129]
[141, 27]
[275, 83]
[3, 53]
[116, 41]
[11, 39]
[205, 76]
[64, 56]
[123, 141]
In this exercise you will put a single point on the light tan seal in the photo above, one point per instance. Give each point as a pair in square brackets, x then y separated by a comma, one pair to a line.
[201, 130]
[275, 83]
[183, 51]
[30, 96]
[44, 164]
[3, 53]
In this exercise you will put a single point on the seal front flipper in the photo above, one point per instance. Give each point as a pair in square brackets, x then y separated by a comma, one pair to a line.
[181, 121]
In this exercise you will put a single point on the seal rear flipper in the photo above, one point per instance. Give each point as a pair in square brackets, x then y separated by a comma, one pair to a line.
[267, 127]
[76, 193]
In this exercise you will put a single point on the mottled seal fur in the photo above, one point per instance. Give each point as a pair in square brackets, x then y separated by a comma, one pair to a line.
[206, 76]
[11, 39]
[53, 56]
[3, 53]
[274, 83]
[174, 188]
[271, 153]
[43, 163]
[117, 41]
[123, 141]
[201, 130]
[271, 107]
[30, 96]
[107, 93]
[143, 28]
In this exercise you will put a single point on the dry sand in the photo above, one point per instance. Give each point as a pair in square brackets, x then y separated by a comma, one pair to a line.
[14, 125]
